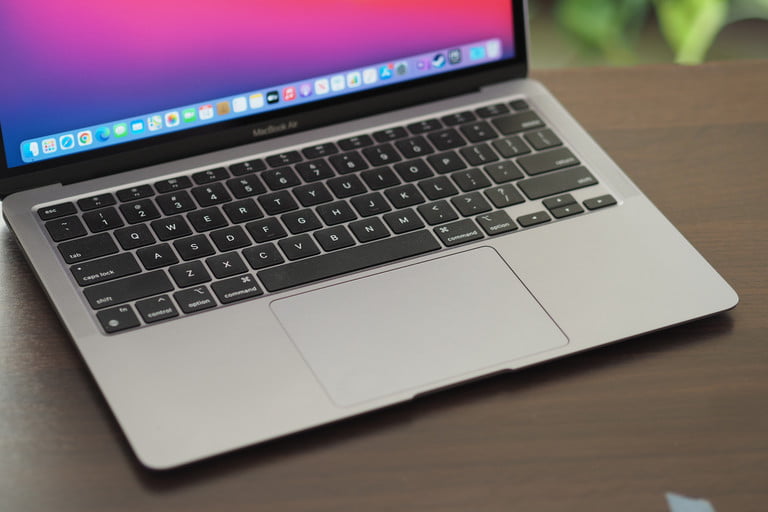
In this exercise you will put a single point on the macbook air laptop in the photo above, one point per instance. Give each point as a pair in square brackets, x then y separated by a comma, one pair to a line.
[254, 220]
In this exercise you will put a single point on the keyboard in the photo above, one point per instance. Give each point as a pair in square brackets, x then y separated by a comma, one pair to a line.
[158, 251]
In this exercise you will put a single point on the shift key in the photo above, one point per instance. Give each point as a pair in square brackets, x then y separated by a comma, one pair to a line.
[127, 289]
[557, 182]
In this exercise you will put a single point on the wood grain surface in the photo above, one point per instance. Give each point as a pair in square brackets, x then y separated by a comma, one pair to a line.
[682, 410]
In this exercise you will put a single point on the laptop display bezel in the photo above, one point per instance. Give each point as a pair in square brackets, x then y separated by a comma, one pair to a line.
[133, 155]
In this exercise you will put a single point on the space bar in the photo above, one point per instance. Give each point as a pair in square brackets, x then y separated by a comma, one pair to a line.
[348, 260]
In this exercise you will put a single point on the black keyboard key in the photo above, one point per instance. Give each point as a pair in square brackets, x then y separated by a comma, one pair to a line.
[533, 219]
[543, 139]
[156, 309]
[134, 236]
[547, 161]
[170, 228]
[315, 170]
[381, 155]
[557, 182]
[287, 158]
[370, 204]
[248, 167]
[105, 269]
[446, 139]
[519, 105]
[459, 118]
[428, 125]
[367, 230]
[514, 123]
[335, 238]
[102, 220]
[210, 175]
[471, 204]
[336, 213]
[459, 232]
[438, 188]
[348, 260]
[437, 212]
[56, 210]
[278, 179]
[263, 256]
[265, 230]
[390, 134]
[175, 202]
[479, 154]
[413, 170]
[320, 150]
[65, 228]
[298, 247]
[87, 248]
[226, 265]
[471, 179]
[301, 221]
[496, 223]
[348, 162]
[383, 177]
[404, 196]
[206, 219]
[403, 221]
[236, 288]
[278, 202]
[246, 186]
[414, 147]
[600, 202]
[118, 319]
[446, 162]
[504, 196]
[312, 194]
[492, 110]
[189, 274]
[194, 299]
[504, 171]
[193, 247]
[127, 289]
[229, 239]
[557, 202]
[357, 142]
[156, 256]
[567, 211]
[511, 147]
[346, 186]
[173, 184]
[242, 211]
[140, 211]
[134, 193]
[209, 195]
[478, 132]
[94, 202]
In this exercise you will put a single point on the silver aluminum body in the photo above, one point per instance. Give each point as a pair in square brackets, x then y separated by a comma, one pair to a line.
[205, 384]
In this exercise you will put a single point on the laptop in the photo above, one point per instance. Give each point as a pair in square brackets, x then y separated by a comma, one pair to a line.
[253, 221]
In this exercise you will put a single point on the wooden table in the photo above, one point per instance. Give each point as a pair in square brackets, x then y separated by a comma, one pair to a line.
[683, 410]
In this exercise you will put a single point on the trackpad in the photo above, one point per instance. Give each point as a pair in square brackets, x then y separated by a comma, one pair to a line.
[417, 327]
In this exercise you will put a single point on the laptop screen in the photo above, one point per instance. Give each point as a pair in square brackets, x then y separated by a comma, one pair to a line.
[85, 75]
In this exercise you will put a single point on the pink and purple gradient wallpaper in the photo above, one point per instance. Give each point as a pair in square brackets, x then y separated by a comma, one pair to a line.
[65, 65]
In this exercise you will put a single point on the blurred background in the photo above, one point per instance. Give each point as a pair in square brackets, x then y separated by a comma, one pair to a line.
[570, 33]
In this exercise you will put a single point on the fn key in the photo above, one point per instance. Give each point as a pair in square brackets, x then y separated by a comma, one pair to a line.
[117, 319]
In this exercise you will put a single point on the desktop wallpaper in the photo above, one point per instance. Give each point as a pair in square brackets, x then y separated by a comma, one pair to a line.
[65, 65]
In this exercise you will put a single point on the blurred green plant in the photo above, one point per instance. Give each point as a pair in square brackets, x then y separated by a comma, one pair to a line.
[611, 27]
